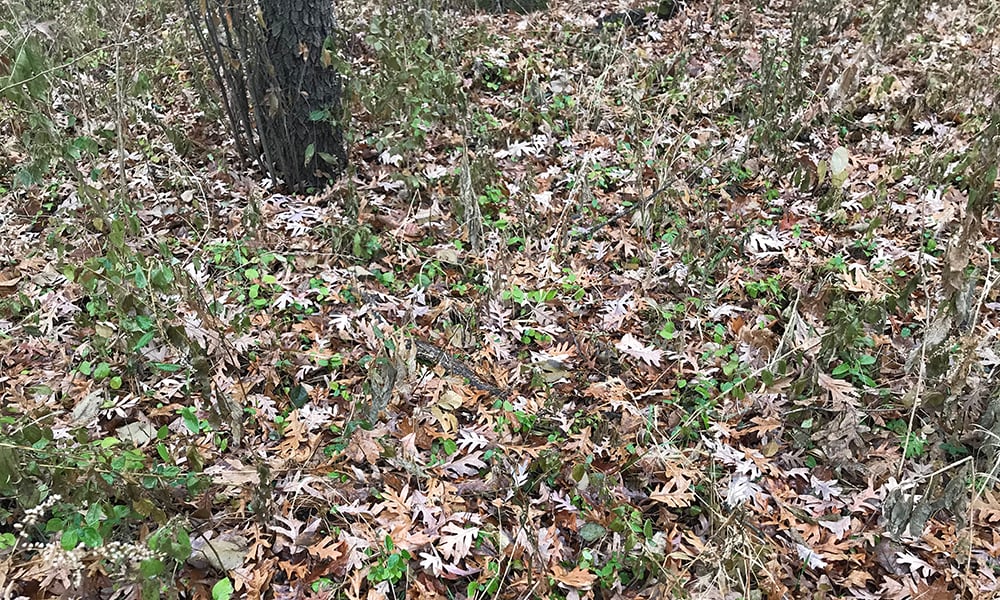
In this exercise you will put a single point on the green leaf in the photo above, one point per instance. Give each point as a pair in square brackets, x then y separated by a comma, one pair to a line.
[310, 151]
[7, 540]
[103, 370]
[298, 396]
[190, 419]
[86, 144]
[145, 339]
[152, 567]
[167, 367]
[183, 545]
[182, 549]
[139, 276]
[162, 277]
[90, 537]
[95, 514]
[222, 590]
[69, 539]
[117, 236]
[592, 531]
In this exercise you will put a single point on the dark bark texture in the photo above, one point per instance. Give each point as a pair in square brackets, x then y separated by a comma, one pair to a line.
[297, 92]
[273, 61]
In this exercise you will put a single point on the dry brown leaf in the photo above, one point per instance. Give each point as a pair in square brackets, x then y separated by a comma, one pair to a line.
[675, 494]
[327, 548]
[294, 445]
[457, 541]
[364, 447]
[842, 393]
[577, 578]
[650, 355]
[442, 410]
[858, 578]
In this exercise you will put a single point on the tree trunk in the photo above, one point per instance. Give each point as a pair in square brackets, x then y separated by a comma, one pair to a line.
[297, 93]
[274, 62]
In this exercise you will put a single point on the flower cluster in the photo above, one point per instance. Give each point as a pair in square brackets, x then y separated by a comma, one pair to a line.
[125, 554]
[69, 565]
[32, 515]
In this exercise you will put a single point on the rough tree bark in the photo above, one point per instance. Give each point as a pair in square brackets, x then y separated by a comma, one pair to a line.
[297, 92]
[274, 62]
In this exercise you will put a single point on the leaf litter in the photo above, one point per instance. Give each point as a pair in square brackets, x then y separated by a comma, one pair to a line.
[714, 392]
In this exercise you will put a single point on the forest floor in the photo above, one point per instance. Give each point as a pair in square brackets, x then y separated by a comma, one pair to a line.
[700, 307]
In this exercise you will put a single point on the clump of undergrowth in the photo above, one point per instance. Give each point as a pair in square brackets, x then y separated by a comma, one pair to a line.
[413, 82]
[77, 505]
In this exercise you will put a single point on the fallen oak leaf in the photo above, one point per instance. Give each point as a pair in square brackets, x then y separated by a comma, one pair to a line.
[465, 466]
[444, 408]
[858, 578]
[432, 563]
[297, 536]
[457, 542]
[8, 286]
[810, 558]
[838, 527]
[327, 548]
[916, 565]
[842, 392]
[576, 579]
[675, 494]
[629, 345]
[454, 572]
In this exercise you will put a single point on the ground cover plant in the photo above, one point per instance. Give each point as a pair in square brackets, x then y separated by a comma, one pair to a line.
[689, 300]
